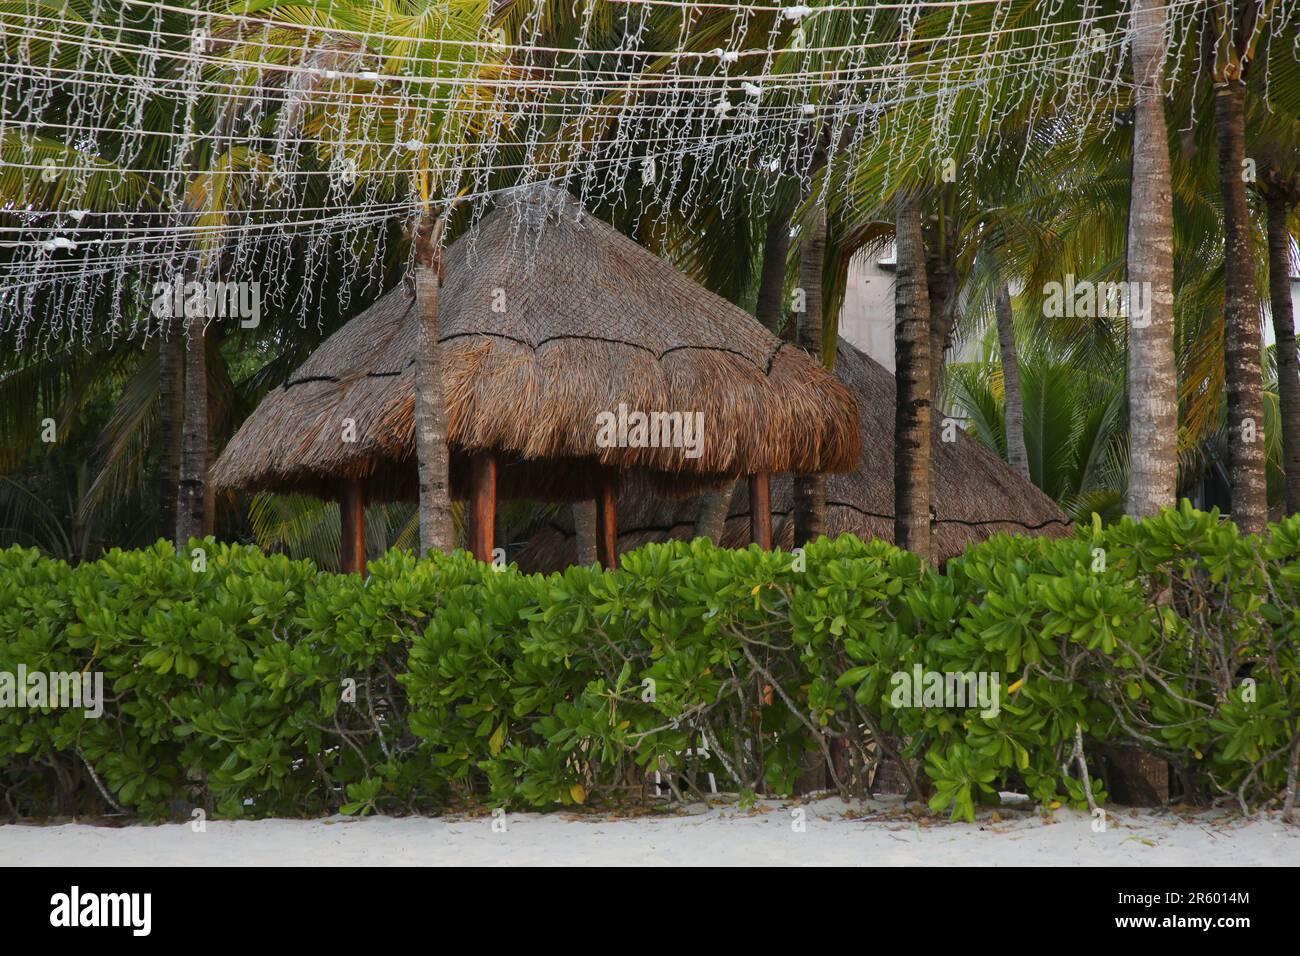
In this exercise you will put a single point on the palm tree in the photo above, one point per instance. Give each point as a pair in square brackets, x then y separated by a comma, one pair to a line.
[204, 199]
[1017, 455]
[1237, 26]
[195, 447]
[942, 275]
[912, 381]
[1074, 424]
[413, 40]
[1152, 375]
[809, 491]
[1281, 198]
[1279, 188]
[769, 309]
[177, 391]
[182, 371]
[171, 413]
[963, 220]
[432, 454]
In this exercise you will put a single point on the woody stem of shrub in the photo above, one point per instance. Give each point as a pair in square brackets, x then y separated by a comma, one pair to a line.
[892, 752]
[1293, 764]
[817, 736]
[99, 784]
[1083, 766]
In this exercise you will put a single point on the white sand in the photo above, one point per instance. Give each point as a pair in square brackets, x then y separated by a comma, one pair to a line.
[875, 834]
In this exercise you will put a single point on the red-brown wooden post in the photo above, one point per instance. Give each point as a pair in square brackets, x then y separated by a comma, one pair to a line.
[607, 525]
[352, 512]
[760, 510]
[483, 505]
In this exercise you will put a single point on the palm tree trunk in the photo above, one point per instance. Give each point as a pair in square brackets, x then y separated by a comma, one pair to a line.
[809, 491]
[771, 282]
[1014, 399]
[80, 529]
[1152, 374]
[1288, 367]
[437, 532]
[941, 283]
[584, 532]
[209, 492]
[1242, 372]
[194, 437]
[711, 519]
[912, 405]
[171, 412]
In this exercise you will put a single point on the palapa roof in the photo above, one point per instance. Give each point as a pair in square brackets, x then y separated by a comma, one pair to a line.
[976, 494]
[585, 320]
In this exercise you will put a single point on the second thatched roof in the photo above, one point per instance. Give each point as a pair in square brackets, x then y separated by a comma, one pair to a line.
[548, 318]
[976, 494]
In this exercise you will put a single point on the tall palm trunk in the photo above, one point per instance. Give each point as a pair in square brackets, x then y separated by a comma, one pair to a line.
[809, 491]
[436, 529]
[771, 281]
[941, 284]
[912, 405]
[1014, 399]
[1152, 374]
[194, 436]
[1242, 371]
[1288, 367]
[171, 412]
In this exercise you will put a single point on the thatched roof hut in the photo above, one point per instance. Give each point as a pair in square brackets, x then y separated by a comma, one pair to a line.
[552, 323]
[976, 494]
[549, 317]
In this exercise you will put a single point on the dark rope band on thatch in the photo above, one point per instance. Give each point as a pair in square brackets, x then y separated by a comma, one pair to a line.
[308, 380]
[670, 528]
[767, 367]
[1063, 522]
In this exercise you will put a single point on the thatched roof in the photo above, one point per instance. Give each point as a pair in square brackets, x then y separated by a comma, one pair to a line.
[585, 320]
[976, 494]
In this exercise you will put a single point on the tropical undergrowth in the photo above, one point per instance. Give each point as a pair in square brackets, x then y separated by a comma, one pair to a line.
[243, 683]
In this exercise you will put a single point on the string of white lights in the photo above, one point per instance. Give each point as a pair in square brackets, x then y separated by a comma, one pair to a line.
[603, 78]
[658, 54]
[288, 140]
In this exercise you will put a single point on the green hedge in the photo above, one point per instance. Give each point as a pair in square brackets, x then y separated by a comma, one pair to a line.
[251, 684]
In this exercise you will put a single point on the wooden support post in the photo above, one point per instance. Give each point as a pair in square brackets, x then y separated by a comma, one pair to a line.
[483, 505]
[760, 510]
[352, 543]
[607, 525]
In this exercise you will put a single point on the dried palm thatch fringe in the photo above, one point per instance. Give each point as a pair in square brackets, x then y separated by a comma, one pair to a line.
[588, 320]
[976, 494]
